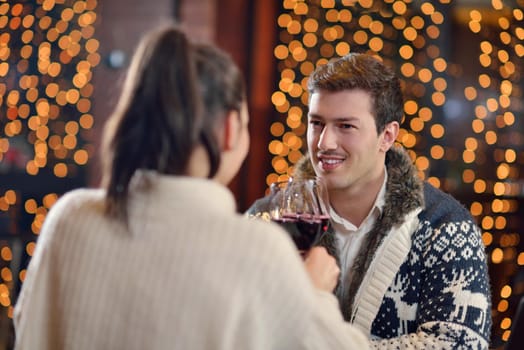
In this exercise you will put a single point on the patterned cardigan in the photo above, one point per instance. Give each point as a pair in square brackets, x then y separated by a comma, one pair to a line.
[420, 279]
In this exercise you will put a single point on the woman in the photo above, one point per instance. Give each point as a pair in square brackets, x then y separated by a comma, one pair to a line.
[159, 258]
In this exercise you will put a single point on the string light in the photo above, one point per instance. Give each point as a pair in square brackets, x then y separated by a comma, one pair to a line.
[47, 55]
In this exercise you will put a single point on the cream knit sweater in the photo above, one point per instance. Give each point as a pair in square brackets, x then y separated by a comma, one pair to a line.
[189, 273]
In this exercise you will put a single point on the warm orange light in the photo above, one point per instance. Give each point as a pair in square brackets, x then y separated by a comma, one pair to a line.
[487, 239]
[479, 186]
[407, 69]
[360, 37]
[491, 137]
[399, 7]
[279, 164]
[409, 33]
[506, 291]
[310, 40]
[406, 52]
[81, 157]
[422, 163]
[294, 27]
[376, 44]
[476, 208]
[301, 8]
[468, 176]
[345, 16]
[503, 171]
[496, 257]
[437, 131]
[484, 80]
[425, 75]
[437, 152]
[310, 25]
[342, 49]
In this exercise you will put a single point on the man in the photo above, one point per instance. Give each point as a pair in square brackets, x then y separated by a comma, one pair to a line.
[413, 265]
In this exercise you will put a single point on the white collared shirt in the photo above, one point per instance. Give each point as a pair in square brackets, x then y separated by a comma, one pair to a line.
[350, 237]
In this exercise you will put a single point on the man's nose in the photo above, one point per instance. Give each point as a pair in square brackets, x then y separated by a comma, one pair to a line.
[327, 139]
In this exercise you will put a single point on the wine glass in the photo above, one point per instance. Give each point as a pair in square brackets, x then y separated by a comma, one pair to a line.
[300, 206]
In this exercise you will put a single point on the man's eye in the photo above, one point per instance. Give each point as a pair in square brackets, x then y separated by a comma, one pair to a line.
[346, 126]
[315, 123]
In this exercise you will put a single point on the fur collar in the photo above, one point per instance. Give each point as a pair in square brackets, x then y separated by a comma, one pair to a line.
[404, 193]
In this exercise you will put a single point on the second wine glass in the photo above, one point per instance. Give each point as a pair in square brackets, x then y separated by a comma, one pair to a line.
[300, 206]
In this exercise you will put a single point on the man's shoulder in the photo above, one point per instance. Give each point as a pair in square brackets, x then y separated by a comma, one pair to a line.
[259, 205]
[442, 206]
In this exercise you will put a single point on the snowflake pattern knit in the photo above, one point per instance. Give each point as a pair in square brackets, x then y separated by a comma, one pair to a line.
[450, 262]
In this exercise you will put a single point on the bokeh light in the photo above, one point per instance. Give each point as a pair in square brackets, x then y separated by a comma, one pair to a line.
[48, 51]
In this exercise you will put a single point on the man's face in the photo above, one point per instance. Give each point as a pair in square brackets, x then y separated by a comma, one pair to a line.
[342, 139]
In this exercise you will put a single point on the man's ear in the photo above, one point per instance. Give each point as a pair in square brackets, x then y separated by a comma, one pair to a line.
[389, 135]
[231, 130]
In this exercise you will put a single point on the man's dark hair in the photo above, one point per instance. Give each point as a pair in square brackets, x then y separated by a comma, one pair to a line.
[365, 72]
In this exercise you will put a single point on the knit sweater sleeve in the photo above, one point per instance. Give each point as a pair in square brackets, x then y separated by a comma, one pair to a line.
[300, 316]
[35, 328]
[453, 308]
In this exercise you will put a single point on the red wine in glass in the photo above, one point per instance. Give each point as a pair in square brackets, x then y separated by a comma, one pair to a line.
[305, 230]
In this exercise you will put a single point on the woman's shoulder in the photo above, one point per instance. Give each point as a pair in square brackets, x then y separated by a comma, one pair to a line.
[72, 204]
[79, 198]
[67, 214]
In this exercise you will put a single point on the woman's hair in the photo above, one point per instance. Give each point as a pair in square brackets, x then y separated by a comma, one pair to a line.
[362, 71]
[174, 94]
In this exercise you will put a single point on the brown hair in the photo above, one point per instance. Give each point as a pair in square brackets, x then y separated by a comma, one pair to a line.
[362, 71]
[174, 94]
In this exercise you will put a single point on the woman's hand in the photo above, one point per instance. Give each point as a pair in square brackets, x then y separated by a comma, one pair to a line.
[322, 269]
